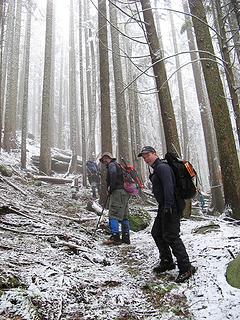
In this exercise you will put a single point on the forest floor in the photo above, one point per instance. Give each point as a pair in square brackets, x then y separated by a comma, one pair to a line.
[53, 266]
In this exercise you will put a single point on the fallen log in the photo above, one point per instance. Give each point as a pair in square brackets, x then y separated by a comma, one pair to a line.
[13, 185]
[96, 207]
[11, 209]
[53, 180]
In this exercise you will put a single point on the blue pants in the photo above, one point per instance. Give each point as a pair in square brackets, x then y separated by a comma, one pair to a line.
[114, 226]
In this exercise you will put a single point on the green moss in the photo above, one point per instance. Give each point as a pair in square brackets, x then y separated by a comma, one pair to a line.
[158, 289]
[139, 219]
[5, 171]
[9, 281]
[233, 273]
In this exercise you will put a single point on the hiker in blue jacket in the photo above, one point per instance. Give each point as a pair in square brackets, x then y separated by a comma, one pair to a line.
[118, 201]
[93, 175]
[166, 227]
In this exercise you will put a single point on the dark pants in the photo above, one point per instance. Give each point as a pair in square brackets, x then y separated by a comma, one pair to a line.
[165, 232]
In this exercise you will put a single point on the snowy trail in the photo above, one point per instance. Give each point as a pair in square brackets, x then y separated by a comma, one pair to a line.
[94, 281]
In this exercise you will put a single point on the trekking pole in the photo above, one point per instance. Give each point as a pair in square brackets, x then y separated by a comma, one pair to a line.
[101, 215]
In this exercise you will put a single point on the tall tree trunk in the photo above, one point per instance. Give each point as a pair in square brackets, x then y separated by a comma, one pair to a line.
[220, 26]
[45, 144]
[73, 113]
[122, 127]
[169, 121]
[106, 128]
[15, 63]
[84, 153]
[93, 109]
[137, 128]
[2, 19]
[52, 89]
[25, 95]
[88, 63]
[185, 139]
[233, 27]
[60, 106]
[129, 79]
[236, 7]
[225, 139]
[208, 130]
[8, 134]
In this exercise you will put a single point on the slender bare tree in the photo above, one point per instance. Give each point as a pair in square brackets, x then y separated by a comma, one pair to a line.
[122, 125]
[106, 127]
[83, 120]
[25, 94]
[169, 121]
[45, 144]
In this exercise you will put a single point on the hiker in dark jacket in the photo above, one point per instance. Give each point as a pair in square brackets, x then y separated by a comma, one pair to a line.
[166, 227]
[118, 201]
[93, 176]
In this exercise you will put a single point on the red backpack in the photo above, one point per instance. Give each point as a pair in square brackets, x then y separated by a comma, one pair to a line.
[132, 183]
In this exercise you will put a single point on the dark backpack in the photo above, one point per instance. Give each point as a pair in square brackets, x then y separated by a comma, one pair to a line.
[184, 174]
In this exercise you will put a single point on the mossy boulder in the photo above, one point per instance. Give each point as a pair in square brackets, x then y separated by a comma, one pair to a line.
[8, 281]
[233, 273]
[5, 171]
[139, 219]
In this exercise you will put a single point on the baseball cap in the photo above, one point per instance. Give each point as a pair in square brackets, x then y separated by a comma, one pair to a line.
[146, 149]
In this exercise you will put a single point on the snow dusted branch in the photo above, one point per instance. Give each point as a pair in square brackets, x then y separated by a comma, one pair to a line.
[165, 58]
[185, 13]
[122, 33]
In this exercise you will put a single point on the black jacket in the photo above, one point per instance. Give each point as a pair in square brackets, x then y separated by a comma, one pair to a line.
[114, 176]
[164, 184]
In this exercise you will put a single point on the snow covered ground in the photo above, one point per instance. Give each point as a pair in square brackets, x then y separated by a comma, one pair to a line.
[93, 281]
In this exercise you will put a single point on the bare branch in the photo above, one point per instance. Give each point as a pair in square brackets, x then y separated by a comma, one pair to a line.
[124, 12]
[185, 13]
[116, 27]
[165, 58]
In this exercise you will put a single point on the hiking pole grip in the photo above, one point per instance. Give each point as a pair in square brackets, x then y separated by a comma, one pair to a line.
[99, 219]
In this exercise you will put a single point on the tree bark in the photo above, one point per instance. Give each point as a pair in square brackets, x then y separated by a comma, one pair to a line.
[169, 121]
[8, 134]
[122, 127]
[73, 114]
[25, 95]
[236, 7]
[208, 130]
[2, 13]
[219, 24]
[106, 128]
[185, 138]
[83, 120]
[15, 63]
[45, 145]
[225, 140]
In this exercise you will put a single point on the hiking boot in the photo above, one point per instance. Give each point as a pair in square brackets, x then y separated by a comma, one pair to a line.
[126, 238]
[183, 276]
[113, 240]
[164, 266]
